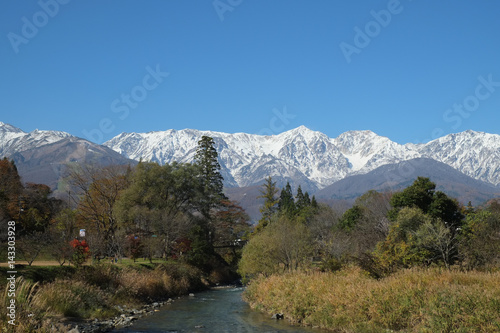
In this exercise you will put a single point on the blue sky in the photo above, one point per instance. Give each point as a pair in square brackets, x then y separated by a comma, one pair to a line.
[408, 70]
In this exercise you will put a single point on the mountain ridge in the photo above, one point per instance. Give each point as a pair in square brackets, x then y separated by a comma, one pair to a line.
[312, 156]
[302, 156]
[41, 156]
[395, 177]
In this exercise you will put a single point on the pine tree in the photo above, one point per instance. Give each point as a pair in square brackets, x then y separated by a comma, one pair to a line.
[307, 199]
[286, 204]
[302, 200]
[314, 203]
[210, 177]
[269, 207]
[299, 199]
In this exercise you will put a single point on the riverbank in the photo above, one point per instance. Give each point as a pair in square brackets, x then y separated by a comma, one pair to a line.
[128, 315]
[96, 298]
[218, 310]
[415, 300]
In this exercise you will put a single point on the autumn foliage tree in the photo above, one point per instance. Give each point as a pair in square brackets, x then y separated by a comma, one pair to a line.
[80, 251]
[11, 190]
[230, 226]
[134, 247]
[39, 208]
[31, 206]
[98, 190]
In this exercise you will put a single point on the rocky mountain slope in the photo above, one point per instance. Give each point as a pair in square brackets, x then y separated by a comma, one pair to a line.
[311, 158]
[302, 156]
[395, 177]
[42, 156]
[476, 154]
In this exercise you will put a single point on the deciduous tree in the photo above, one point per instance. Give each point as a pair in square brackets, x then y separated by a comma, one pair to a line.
[159, 201]
[480, 239]
[10, 190]
[98, 189]
[282, 246]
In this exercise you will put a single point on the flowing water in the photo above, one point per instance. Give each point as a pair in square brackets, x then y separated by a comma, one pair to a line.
[215, 311]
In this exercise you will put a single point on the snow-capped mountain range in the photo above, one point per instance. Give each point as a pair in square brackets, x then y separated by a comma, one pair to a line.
[301, 156]
[13, 139]
[311, 157]
[42, 156]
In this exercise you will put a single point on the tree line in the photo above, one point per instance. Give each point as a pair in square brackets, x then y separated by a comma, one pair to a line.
[381, 232]
[180, 211]
[148, 210]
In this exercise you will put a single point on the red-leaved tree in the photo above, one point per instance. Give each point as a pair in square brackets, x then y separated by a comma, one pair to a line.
[80, 251]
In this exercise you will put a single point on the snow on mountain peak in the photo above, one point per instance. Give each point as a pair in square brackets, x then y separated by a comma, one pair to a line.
[300, 155]
[13, 139]
[247, 158]
[5, 128]
[366, 150]
[474, 153]
[312, 156]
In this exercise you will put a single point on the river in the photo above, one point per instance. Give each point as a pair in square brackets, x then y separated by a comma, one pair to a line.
[214, 311]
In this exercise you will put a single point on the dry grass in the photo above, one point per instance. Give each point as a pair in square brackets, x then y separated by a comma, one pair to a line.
[416, 300]
[91, 293]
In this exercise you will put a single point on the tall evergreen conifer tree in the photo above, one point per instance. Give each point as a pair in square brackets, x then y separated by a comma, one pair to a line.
[269, 208]
[286, 204]
[210, 177]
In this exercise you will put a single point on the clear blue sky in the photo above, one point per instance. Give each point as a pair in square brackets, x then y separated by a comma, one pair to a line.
[77, 65]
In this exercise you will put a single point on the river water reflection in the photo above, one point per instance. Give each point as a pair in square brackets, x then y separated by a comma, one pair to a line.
[215, 311]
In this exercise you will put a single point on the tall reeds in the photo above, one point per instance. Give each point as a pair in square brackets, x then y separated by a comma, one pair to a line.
[415, 300]
[92, 292]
